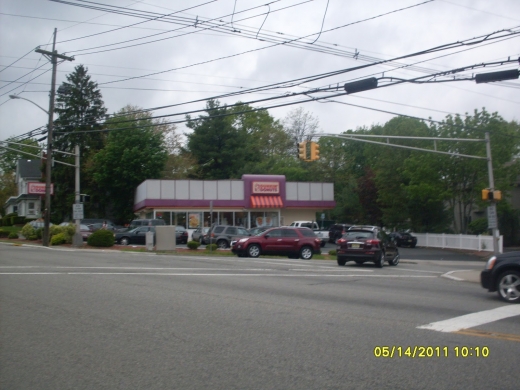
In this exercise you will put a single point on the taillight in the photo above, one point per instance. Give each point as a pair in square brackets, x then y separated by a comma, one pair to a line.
[341, 241]
[373, 242]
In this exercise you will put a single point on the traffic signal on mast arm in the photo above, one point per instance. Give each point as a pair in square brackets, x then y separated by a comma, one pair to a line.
[488, 194]
[315, 151]
[302, 150]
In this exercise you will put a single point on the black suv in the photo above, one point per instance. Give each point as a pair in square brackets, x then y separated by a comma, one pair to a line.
[222, 235]
[337, 230]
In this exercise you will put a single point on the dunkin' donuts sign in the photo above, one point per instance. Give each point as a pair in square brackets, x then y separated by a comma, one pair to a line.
[37, 188]
[266, 187]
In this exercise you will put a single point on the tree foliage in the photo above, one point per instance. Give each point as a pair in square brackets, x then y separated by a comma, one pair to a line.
[134, 151]
[80, 108]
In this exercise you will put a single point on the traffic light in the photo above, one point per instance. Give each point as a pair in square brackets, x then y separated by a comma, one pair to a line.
[315, 151]
[487, 194]
[302, 151]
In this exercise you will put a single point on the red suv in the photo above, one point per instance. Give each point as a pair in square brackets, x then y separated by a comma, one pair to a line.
[285, 241]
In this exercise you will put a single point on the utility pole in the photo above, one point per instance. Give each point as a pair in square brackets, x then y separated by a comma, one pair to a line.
[53, 57]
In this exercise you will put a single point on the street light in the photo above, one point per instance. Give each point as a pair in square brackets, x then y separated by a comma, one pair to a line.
[30, 101]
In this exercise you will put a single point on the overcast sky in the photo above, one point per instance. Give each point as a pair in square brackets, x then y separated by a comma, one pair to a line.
[209, 48]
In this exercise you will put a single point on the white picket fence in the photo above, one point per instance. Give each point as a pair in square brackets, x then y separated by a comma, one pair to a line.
[459, 241]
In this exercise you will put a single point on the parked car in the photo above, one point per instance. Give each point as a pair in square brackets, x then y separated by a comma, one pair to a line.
[403, 239]
[502, 274]
[337, 230]
[368, 244]
[135, 236]
[198, 234]
[86, 231]
[294, 242]
[222, 235]
[146, 222]
[257, 230]
[99, 225]
[181, 235]
[38, 224]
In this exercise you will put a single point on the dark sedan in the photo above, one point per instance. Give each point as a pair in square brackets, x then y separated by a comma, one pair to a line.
[404, 239]
[135, 236]
[502, 274]
[367, 245]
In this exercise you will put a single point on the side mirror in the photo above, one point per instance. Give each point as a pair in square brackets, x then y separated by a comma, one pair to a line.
[266, 235]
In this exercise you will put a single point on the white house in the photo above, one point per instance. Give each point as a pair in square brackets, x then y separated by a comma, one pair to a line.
[30, 190]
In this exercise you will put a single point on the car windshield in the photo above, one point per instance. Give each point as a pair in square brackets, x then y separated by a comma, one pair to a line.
[358, 235]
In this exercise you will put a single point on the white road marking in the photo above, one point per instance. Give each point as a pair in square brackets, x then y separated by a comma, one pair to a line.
[213, 274]
[473, 319]
[449, 275]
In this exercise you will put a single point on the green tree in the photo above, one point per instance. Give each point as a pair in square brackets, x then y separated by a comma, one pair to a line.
[80, 108]
[11, 151]
[219, 148]
[135, 151]
[7, 188]
[464, 178]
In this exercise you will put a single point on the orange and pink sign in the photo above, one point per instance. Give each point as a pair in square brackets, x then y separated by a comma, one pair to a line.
[266, 187]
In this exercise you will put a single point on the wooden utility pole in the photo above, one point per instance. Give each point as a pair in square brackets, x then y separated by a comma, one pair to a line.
[53, 58]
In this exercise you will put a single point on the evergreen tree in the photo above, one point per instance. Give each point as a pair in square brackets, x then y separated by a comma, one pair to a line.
[80, 107]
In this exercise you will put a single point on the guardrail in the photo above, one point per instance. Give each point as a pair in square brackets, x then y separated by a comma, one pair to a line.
[459, 241]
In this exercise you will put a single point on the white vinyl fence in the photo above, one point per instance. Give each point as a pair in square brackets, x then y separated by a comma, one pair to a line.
[459, 241]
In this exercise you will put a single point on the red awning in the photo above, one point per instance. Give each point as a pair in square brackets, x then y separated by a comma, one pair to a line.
[258, 202]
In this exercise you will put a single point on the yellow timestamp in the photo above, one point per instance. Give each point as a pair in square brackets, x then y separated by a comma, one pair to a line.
[430, 352]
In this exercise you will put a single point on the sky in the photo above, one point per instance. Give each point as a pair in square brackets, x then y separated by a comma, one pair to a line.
[178, 54]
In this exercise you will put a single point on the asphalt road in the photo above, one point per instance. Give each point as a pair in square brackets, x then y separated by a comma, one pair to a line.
[110, 320]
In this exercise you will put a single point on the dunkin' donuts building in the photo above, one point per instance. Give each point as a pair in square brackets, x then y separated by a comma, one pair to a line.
[255, 200]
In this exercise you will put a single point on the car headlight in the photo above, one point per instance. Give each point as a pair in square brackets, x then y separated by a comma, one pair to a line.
[491, 262]
[242, 240]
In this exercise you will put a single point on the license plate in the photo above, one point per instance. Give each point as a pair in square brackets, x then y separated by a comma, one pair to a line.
[354, 246]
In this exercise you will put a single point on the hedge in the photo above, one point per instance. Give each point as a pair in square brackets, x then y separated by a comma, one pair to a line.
[101, 238]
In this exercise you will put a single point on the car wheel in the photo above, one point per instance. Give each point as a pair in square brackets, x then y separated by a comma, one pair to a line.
[381, 261]
[341, 262]
[508, 286]
[306, 253]
[395, 260]
[412, 246]
[124, 241]
[222, 244]
[253, 250]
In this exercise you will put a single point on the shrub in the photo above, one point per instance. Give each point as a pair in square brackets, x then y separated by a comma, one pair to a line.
[193, 245]
[101, 238]
[39, 233]
[4, 233]
[332, 252]
[212, 247]
[478, 226]
[28, 232]
[13, 235]
[58, 239]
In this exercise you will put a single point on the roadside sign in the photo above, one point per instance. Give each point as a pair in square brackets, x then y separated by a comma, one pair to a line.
[492, 216]
[77, 211]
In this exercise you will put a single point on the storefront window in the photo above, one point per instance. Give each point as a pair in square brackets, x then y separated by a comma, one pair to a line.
[226, 218]
[181, 219]
[208, 220]
[194, 220]
[166, 215]
[241, 219]
[264, 219]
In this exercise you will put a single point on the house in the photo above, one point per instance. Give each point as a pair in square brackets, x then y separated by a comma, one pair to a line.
[30, 190]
